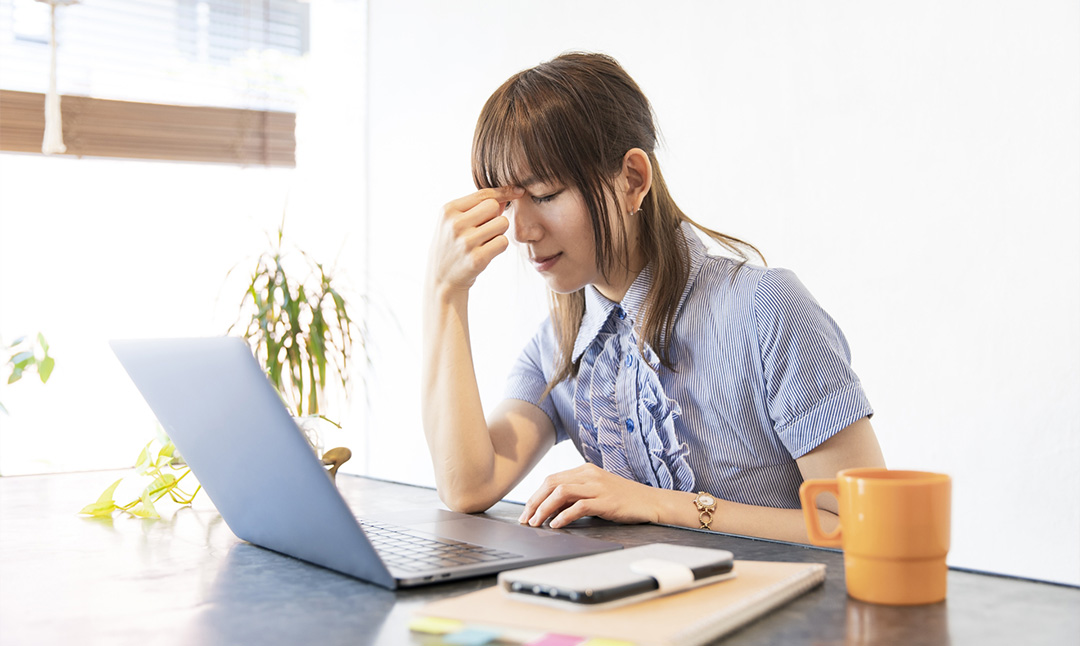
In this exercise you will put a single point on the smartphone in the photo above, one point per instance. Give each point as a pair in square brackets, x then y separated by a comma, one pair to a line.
[616, 578]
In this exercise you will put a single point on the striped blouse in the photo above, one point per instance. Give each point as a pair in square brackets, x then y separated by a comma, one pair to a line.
[763, 376]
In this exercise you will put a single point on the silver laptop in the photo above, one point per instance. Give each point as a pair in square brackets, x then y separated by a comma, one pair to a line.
[212, 398]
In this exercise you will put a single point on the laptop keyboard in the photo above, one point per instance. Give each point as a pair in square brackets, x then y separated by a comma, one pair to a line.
[413, 551]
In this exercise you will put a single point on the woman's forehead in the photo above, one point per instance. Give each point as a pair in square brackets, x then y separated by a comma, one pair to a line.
[514, 168]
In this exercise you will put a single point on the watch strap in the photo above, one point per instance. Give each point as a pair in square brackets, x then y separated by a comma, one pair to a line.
[706, 506]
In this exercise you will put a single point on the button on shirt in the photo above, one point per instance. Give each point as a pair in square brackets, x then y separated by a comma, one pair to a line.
[762, 377]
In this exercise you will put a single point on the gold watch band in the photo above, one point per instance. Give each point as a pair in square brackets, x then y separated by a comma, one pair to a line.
[706, 506]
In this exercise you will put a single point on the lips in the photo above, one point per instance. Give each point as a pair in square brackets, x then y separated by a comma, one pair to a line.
[544, 263]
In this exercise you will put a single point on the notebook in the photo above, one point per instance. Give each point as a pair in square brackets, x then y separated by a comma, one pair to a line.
[212, 398]
[696, 616]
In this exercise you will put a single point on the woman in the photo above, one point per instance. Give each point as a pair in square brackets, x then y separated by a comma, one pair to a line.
[700, 390]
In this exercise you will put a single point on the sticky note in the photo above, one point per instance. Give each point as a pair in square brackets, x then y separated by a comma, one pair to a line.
[470, 637]
[510, 635]
[600, 641]
[434, 625]
[554, 639]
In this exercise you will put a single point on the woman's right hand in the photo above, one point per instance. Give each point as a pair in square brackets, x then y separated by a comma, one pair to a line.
[469, 235]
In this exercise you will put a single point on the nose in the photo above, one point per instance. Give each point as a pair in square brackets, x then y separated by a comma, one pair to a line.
[524, 221]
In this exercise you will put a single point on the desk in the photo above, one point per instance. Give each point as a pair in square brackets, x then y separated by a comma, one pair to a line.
[188, 580]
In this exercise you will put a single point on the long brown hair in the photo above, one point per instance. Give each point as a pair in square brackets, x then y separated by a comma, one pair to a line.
[571, 121]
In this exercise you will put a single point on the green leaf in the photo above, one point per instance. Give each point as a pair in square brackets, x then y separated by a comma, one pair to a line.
[167, 450]
[313, 401]
[4, 410]
[22, 359]
[107, 495]
[99, 509]
[317, 355]
[16, 375]
[43, 343]
[144, 457]
[164, 483]
[105, 504]
[160, 435]
[145, 508]
[45, 368]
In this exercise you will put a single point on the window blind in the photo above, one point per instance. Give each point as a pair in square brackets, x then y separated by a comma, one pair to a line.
[191, 80]
[104, 128]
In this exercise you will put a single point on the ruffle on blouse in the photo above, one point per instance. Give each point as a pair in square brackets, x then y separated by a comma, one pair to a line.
[637, 440]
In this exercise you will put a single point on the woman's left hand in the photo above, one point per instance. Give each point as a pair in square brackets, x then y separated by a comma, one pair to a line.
[588, 490]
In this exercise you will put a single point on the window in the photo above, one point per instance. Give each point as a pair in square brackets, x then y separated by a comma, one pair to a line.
[105, 247]
[230, 71]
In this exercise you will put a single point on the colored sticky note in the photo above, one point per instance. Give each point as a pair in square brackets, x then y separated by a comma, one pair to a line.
[510, 635]
[600, 641]
[470, 637]
[434, 625]
[555, 639]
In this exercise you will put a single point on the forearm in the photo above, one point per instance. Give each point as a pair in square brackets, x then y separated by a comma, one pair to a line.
[677, 508]
[457, 434]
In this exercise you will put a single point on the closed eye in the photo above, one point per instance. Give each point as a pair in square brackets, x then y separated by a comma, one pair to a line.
[540, 199]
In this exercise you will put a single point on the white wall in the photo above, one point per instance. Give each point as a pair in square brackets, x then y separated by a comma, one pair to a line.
[916, 163]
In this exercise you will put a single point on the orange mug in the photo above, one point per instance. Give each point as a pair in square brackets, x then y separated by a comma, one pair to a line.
[894, 530]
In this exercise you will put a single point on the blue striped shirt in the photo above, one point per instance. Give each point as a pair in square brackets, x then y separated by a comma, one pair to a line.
[762, 377]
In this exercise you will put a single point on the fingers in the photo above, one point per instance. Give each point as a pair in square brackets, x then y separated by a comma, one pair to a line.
[530, 506]
[487, 241]
[469, 236]
[477, 219]
[561, 490]
[560, 500]
[588, 490]
[539, 496]
[487, 229]
[579, 509]
[499, 195]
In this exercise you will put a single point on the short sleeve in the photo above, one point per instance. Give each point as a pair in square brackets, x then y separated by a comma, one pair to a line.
[810, 388]
[527, 382]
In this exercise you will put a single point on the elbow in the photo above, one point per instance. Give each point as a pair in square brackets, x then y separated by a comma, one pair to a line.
[465, 502]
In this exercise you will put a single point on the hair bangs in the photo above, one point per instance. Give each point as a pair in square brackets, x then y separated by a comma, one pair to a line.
[515, 142]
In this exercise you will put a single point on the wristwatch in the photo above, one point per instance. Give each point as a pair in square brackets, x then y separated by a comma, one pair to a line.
[706, 506]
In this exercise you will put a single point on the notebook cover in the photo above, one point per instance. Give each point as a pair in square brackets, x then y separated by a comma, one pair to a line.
[693, 617]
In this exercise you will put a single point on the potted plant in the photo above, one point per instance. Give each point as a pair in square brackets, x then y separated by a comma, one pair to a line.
[301, 330]
[298, 323]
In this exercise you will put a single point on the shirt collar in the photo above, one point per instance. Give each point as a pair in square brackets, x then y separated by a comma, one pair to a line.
[598, 308]
[597, 311]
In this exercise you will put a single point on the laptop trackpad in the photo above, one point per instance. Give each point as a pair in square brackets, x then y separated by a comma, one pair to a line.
[478, 529]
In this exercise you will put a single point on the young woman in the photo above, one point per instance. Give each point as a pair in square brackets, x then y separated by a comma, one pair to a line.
[700, 390]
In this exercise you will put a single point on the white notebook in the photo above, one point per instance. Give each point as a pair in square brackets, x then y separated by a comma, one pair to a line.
[695, 616]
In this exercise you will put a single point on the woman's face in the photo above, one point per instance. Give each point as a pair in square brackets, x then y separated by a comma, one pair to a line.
[551, 223]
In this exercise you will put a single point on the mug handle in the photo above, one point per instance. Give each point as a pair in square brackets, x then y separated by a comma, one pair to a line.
[808, 493]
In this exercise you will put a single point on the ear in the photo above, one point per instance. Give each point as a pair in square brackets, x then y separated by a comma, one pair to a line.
[636, 178]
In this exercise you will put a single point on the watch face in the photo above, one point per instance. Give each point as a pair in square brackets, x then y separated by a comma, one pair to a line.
[706, 500]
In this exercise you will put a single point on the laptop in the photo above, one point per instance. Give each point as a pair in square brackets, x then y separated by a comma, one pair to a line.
[233, 430]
